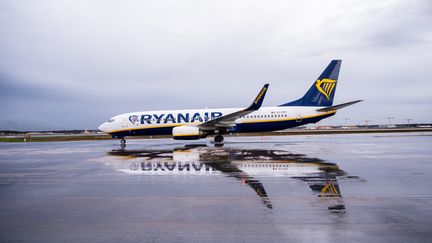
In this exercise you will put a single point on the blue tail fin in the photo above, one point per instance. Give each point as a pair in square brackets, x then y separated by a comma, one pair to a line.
[322, 91]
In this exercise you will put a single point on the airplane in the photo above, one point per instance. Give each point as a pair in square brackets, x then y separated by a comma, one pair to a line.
[315, 105]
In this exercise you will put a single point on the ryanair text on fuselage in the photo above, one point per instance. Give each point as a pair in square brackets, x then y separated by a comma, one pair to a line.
[179, 117]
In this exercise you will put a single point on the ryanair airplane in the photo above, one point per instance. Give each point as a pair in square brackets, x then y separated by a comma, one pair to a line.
[314, 106]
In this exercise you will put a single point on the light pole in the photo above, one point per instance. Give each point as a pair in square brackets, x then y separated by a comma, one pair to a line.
[346, 121]
[389, 119]
[366, 122]
[408, 121]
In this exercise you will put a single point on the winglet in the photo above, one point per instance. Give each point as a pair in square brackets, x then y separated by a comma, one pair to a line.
[259, 99]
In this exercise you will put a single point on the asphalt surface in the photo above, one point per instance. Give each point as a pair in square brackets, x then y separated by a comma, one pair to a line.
[323, 188]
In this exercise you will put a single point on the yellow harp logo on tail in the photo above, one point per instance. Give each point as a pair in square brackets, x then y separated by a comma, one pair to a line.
[326, 86]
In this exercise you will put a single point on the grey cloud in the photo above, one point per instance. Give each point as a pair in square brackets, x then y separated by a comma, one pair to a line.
[94, 59]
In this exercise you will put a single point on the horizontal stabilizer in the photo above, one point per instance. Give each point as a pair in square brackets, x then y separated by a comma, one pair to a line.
[337, 107]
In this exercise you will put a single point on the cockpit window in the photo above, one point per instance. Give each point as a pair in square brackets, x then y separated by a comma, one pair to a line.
[111, 120]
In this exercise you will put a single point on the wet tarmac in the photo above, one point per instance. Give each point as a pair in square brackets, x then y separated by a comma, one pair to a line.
[323, 188]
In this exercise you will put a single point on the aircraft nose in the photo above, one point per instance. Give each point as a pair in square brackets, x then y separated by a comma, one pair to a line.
[102, 127]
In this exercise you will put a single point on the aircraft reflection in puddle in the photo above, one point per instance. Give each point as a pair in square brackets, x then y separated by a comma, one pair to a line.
[244, 165]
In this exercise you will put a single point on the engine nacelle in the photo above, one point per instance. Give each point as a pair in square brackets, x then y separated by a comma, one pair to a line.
[187, 133]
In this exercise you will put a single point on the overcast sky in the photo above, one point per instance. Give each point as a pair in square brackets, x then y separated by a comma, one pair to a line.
[74, 64]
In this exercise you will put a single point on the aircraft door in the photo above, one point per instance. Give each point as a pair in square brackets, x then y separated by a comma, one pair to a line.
[125, 122]
[299, 117]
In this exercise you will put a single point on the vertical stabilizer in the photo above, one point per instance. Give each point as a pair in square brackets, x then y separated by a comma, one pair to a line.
[322, 91]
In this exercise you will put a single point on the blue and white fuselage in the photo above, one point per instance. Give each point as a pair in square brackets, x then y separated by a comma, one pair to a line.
[314, 106]
[162, 122]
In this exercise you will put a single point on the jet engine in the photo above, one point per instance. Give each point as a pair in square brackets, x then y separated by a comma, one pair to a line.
[187, 133]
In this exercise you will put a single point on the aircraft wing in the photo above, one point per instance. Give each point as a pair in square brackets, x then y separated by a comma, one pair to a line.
[228, 168]
[340, 106]
[228, 120]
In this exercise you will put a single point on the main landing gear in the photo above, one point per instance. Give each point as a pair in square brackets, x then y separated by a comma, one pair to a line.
[218, 139]
[123, 143]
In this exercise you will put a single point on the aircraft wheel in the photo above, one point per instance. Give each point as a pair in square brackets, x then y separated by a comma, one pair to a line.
[123, 143]
[219, 139]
